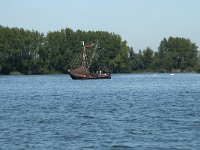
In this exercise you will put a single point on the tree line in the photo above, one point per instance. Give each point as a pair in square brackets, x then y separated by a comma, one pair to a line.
[31, 52]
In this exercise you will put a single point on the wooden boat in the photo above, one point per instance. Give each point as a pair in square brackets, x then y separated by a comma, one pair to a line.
[83, 72]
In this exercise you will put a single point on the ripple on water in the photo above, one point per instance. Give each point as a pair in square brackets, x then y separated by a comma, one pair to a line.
[130, 111]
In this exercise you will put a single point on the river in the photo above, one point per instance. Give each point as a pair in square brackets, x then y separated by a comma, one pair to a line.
[129, 111]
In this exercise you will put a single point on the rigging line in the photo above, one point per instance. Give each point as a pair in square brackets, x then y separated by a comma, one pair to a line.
[96, 46]
[76, 60]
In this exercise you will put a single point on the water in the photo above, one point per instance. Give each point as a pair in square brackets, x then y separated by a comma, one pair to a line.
[130, 111]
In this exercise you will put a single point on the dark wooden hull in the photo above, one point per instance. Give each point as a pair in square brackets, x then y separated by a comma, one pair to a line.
[90, 76]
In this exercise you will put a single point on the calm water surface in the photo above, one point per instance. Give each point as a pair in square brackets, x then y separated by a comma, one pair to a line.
[130, 111]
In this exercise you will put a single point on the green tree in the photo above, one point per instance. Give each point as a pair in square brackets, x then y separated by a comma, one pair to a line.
[197, 67]
[147, 58]
[177, 54]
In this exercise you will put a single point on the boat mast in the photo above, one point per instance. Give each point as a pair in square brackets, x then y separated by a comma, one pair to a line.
[84, 54]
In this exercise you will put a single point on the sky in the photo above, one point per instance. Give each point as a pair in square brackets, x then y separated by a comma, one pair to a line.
[142, 23]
